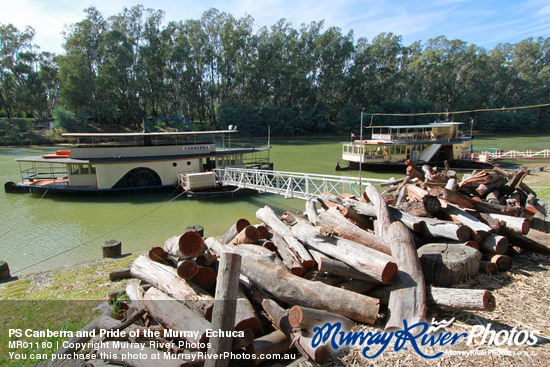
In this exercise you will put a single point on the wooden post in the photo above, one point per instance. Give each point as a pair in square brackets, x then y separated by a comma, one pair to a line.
[223, 315]
[195, 228]
[111, 248]
[4, 270]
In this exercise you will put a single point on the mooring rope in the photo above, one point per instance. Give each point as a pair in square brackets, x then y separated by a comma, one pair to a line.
[99, 236]
[29, 213]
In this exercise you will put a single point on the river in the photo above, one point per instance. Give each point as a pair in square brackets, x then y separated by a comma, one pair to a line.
[33, 228]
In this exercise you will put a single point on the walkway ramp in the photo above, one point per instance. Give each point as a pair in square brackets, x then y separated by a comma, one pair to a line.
[429, 152]
[292, 184]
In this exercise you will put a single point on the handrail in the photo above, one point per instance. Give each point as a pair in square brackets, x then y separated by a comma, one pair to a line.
[291, 184]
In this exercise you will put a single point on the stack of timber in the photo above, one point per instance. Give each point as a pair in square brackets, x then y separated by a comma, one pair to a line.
[378, 258]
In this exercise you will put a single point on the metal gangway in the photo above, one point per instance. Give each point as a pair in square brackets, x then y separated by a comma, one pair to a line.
[516, 153]
[292, 184]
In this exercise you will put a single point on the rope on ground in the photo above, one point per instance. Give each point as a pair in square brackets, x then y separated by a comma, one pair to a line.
[29, 213]
[99, 236]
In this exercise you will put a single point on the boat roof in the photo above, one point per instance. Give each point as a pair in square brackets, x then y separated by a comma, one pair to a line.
[103, 135]
[218, 153]
[435, 124]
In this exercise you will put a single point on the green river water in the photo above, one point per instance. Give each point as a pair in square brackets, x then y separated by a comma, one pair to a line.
[33, 229]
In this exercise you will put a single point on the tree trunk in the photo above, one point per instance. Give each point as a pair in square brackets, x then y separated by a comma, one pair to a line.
[383, 218]
[165, 279]
[334, 221]
[376, 265]
[175, 315]
[249, 234]
[267, 216]
[189, 244]
[308, 318]
[535, 240]
[289, 257]
[479, 229]
[311, 211]
[448, 264]
[274, 343]
[234, 230]
[205, 277]
[428, 206]
[279, 318]
[225, 307]
[517, 224]
[495, 244]
[187, 269]
[408, 296]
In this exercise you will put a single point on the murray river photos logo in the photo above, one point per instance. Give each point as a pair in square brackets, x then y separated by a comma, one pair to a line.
[418, 335]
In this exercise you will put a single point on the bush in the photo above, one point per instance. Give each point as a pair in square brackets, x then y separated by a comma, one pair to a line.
[67, 121]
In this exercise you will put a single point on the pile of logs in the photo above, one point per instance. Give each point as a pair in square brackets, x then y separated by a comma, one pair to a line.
[349, 260]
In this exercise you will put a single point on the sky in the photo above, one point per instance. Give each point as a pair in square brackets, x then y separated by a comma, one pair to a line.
[482, 22]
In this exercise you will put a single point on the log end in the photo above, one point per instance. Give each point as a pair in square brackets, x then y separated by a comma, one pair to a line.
[191, 244]
[489, 301]
[187, 269]
[205, 277]
[389, 272]
[295, 316]
[157, 254]
[241, 224]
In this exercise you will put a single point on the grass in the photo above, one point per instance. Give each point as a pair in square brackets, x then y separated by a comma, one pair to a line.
[62, 299]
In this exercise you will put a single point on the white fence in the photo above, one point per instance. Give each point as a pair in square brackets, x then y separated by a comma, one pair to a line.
[291, 184]
[517, 154]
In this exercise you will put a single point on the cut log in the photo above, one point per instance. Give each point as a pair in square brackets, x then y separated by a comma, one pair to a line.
[264, 231]
[334, 221]
[382, 212]
[494, 244]
[311, 211]
[279, 318]
[308, 318]
[234, 230]
[451, 299]
[428, 226]
[158, 254]
[337, 267]
[205, 277]
[246, 318]
[512, 223]
[274, 343]
[503, 262]
[376, 265]
[268, 216]
[487, 267]
[225, 307]
[428, 206]
[189, 244]
[290, 259]
[165, 279]
[415, 192]
[275, 279]
[408, 295]
[187, 269]
[249, 234]
[175, 315]
[534, 241]
[448, 299]
[115, 275]
[451, 197]
[479, 229]
[448, 264]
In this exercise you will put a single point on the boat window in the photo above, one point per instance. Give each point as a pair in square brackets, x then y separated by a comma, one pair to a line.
[81, 169]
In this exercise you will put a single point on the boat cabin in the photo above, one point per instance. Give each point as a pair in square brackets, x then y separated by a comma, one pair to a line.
[117, 161]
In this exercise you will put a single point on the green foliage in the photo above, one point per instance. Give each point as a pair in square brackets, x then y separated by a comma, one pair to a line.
[67, 121]
[218, 70]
